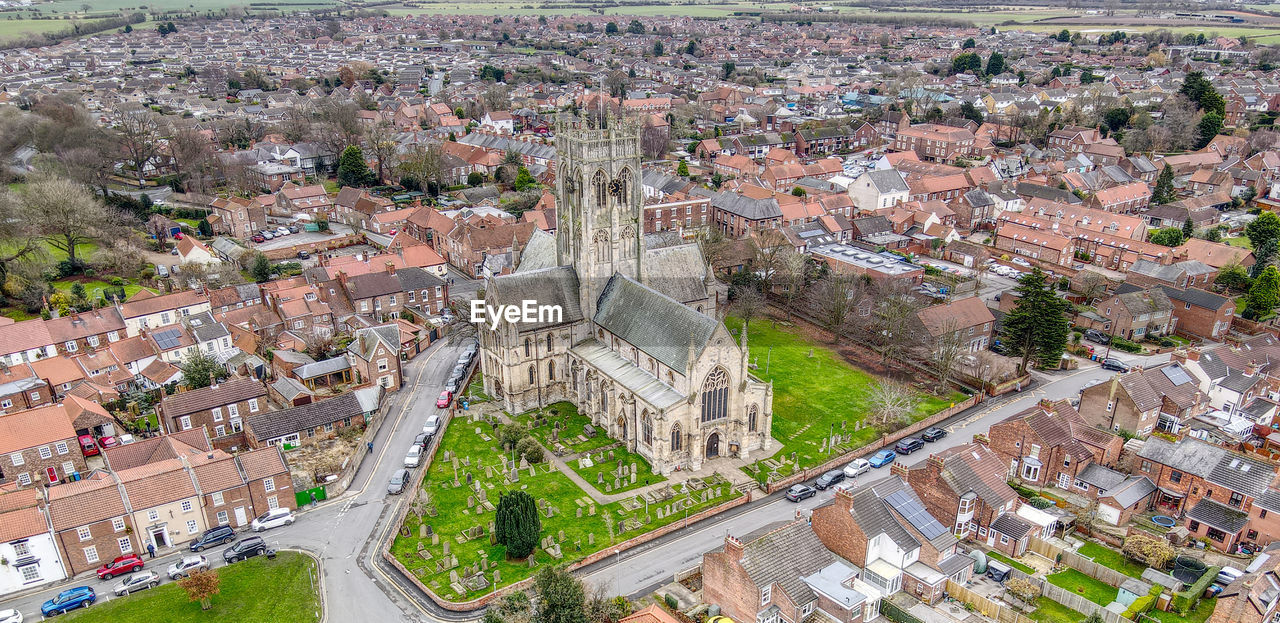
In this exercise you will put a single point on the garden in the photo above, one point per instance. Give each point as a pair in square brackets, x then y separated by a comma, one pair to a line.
[1096, 591]
[1112, 559]
[1050, 611]
[818, 397]
[448, 537]
[292, 598]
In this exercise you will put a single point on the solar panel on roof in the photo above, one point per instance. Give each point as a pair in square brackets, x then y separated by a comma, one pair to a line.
[1176, 375]
[167, 339]
[915, 513]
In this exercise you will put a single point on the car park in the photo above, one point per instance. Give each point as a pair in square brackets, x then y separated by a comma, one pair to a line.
[273, 518]
[908, 445]
[800, 492]
[1021, 262]
[414, 456]
[856, 468]
[120, 566]
[186, 566]
[244, 549]
[1094, 335]
[445, 398]
[432, 425]
[70, 599]
[282, 231]
[1111, 363]
[933, 434]
[293, 229]
[829, 479]
[398, 481]
[213, 536]
[134, 582]
[882, 458]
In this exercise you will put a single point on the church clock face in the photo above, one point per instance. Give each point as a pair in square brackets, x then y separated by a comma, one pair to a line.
[616, 187]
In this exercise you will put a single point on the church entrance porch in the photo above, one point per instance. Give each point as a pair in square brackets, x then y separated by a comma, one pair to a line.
[713, 446]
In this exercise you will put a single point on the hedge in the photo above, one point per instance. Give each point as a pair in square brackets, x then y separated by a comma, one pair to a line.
[1120, 343]
[892, 612]
[1186, 601]
[1142, 604]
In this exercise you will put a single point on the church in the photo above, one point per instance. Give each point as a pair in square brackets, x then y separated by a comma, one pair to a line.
[637, 347]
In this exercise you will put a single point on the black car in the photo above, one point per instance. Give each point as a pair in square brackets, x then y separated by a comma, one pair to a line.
[244, 548]
[1111, 363]
[829, 479]
[1094, 335]
[908, 445]
[422, 440]
[933, 434]
[999, 348]
[800, 492]
[214, 536]
[302, 255]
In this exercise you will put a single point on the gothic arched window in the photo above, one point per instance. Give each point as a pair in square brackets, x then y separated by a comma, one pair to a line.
[551, 372]
[752, 414]
[548, 343]
[528, 347]
[604, 399]
[601, 245]
[623, 184]
[646, 429]
[601, 189]
[715, 396]
[532, 372]
[627, 243]
[675, 438]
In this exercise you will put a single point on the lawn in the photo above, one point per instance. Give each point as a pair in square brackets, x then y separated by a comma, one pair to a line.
[1199, 615]
[1050, 611]
[816, 392]
[83, 250]
[452, 511]
[1239, 241]
[1009, 561]
[1081, 584]
[603, 472]
[93, 287]
[292, 597]
[1112, 559]
[474, 391]
[571, 439]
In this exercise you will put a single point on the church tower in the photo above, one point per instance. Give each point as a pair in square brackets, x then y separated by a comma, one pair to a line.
[598, 203]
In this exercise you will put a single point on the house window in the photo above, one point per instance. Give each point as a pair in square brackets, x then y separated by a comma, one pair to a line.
[91, 554]
[233, 410]
[35, 396]
[153, 515]
[1004, 539]
[1262, 514]
[1194, 526]
[298, 324]
[219, 430]
[253, 405]
[1236, 499]
[192, 526]
[6, 404]
[24, 479]
[126, 545]
[93, 340]
[1146, 466]
[45, 452]
[268, 484]
[61, 447]
[217, 498]
[1082, 485]
[186, 506]
[30, 573]
[117, 524]
[1031, 472]
[766, 595]
[272, 502]
[184, 422]
[1175, 476]
[84, 533]
[222, 518]
[1216, 534]
[217, 414]
[382, 365]
[71, 346]
[16, 459]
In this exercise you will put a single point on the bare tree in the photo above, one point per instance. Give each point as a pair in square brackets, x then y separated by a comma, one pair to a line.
[894, 319]
[192, 154]
[339, 126]
[298, 124]
[892, 403]
[381, 143]
[66, 215]
[1092, 285]
[771, 246]
[715, 246]
[747, 303]
[653, 141]
[496, 97]
[838, 295]
[139, 136]
[793, 278]
[947, 349]
[14, 228]
[424, 163]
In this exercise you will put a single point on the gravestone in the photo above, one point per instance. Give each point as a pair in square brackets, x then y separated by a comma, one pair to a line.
[435, 539]
[471, 501]
[633, 467]
[532, 471]
[560, 536]
[488, 471]
[446, 548]
[497, 578]
[481, 494]
[585, 461]
[633, 478]
[469, 478]
[455, 463]
[591, 510]
[466, 460]
[599, 478]
[524, 463]
[453, 561]
[422, 531]
[591, 538]
[617, 482]
[660, 515]
[453, 576]
[579, 512]
[610, 453]
[608, 489]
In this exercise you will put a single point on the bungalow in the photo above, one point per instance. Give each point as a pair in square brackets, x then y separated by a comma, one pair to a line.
[306, 424]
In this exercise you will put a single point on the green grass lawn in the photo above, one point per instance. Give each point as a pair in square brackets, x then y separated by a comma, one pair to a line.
[289, 597]
[449, 515]
[1112, 559]
[571, 437]
[1239, 241]
[1199, 615]
[474, 391]
[815, 395]
[93, 287]
[1081, 584]
[1050, 611]
[603, 468]
[1009, 561]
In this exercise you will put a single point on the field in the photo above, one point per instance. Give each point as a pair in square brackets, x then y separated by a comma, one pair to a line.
[67, 12]
[291, 599]
[816, 393]
[459, 516]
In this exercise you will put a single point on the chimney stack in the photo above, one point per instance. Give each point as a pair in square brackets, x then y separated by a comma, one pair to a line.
[391, 267]
[733, 547]
[899, 470]
[1179, 356]
[844, 499]
[1252, 368]
[935, 462]
[1193, 354]
[342, 278]
[981, 438]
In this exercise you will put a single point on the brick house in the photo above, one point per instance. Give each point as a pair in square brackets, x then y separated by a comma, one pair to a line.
[237, 217]
[1135, 315]
[1163, 397]
[968, 319]
[1189, 274]
[378, 295]
[1074, 139]
[1049, 444]
[783, 573]
[424, 293]
[21, 387]
[374, 354]
[86, 331]
[1200, 313]
[145, 310]
[39, 446]
[163, 500]
[272, 176]
[1210, 487]
[965, 487]
[218, 409]
[1048, 246]
[1123, 199]
[935, 142]
[312, 200]
[1252, 598]
[1264, 519]
[308, 423]
[885, 529]
[90, 522]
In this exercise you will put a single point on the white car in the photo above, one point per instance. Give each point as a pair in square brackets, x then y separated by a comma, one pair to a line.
[856, 468]
[10, 616]
[184, 567]
[1021, 262]
[282, 231]
[432, 425]
[272, 518]
[134, 582]
[414, 456]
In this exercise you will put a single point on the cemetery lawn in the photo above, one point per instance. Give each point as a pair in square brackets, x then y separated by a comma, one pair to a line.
[572, 440]
[1098, 592]
[606, 466]
[453, 515]
[1108, 557]
[474, 392]
[813, 396]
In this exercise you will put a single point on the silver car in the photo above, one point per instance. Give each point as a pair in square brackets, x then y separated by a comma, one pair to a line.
[398, 481]
[187, 565]
[134, 582]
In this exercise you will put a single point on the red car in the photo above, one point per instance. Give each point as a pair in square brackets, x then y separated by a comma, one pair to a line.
[107, 442]
[258, 238]
[445, 398]
[120, 566]
[88, 446]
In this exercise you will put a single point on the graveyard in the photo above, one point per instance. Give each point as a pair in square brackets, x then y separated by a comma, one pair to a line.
[445, 538]
[570, 437]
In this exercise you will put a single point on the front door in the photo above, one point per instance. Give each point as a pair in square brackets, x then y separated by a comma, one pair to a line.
[51, 474]
[160, 537]
[240, 516]
[713, 446]
[1064, 480]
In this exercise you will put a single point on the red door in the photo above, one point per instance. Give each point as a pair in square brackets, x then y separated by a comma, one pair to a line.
[52, 474]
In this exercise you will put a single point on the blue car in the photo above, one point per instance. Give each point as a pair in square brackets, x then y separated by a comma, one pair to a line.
[882, 458]
[70, 599]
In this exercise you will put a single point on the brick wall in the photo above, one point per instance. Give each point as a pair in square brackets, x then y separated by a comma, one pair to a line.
[36, 468]
[103, 538]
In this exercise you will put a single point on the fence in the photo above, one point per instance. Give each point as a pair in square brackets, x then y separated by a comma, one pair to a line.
[1006, 614]
[1084, 565]
[895, 613]
[306, 496]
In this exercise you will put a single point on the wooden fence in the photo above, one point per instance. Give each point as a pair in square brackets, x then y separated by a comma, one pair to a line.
[1083, 564]
[984, 606]
[1007, 614]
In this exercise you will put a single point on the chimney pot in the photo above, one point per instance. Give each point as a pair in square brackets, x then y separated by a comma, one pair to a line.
[898, 469]
[733, 546]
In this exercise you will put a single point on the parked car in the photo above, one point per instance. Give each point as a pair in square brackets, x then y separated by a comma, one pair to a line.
[856, 468]
[70, 599]
[88, 446]
[1228, 575]
[244, 549]
[303, 255]
[120, 566]
[108, 442]
[422, 440]
[933, 433]
[1021, 262]
[126, 439]
[283, 231]
[293, 229]
[452, 385]
[272, 518]
[10, 616]
[445, 398]
[908, 445]
[162, 270]
[800, 492]
[414, 456]
[258, 238]
[266, 234]
[829, 479]
[1111, 363]
[882, 458]
[139, 581]
[213, 536]
[187, 566]
[1094, 335]
[432, 425]
[173, 251]
[398, 481]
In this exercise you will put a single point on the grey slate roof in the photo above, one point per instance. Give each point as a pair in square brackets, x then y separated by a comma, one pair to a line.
[414, 278]
[1101, 477]
[275, 424]
[1009, 524]
[1243, 474]
[1132, 491]
[1270, 500]
[1196, 296]
[657, 324]
[289, 387]
[746, 207]
[538, 253]
[888, 181]
[1215, 464]
[363, 348]
[204, 328]
[552, 286]
[785, 555]
[1229, 520]
[677, 271]
[370, 285]
[321, 368]
[1186, 456]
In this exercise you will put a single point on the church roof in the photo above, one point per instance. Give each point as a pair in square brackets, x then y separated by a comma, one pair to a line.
[627, 374]
[677, 271]
[657, 324]
[557, 285]
[538, 253]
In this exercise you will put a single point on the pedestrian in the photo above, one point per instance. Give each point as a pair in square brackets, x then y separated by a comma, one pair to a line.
[370, 446]
[151, 549]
